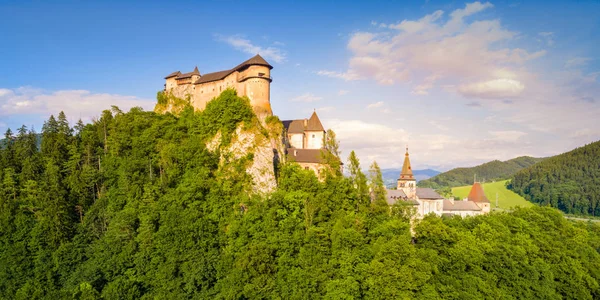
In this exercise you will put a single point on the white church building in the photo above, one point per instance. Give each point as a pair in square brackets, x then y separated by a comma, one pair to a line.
[427, 201]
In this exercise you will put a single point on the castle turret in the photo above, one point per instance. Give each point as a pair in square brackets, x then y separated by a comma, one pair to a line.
[255, 75]
[314, 133]
[407, 182]
[195, 74]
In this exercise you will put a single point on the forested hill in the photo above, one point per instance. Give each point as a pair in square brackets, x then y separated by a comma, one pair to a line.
[490, 171]
[569, 181]
[136, 206]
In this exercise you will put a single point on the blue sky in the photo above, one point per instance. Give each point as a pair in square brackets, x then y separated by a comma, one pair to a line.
[460, 82]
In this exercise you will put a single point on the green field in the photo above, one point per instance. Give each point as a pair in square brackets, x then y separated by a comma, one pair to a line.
[506, 198]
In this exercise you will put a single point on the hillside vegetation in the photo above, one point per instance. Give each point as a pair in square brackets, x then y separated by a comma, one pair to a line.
[135, 206]
[506, 198]
[569, 182]
[490, 171]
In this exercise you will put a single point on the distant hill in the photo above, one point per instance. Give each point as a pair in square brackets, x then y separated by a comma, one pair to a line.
[569, 181]
[391, 175]
[491, 171]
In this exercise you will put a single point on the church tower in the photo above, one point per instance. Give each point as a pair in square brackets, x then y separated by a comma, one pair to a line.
[407, 182]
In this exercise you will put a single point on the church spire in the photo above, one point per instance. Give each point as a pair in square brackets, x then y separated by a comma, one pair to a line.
[406, 168]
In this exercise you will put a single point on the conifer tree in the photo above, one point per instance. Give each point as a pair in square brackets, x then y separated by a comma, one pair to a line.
[376, 184]
[359, 180]
[331, 153]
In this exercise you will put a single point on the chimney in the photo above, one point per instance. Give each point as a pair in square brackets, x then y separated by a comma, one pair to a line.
[305, 122]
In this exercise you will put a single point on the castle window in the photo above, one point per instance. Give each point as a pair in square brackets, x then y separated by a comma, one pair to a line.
[313, 136]
[261, 74]
[305, 168]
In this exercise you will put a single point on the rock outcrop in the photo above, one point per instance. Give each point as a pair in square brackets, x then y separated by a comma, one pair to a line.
[262, 144]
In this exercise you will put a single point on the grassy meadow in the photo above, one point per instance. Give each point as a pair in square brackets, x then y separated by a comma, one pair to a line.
[506, 198]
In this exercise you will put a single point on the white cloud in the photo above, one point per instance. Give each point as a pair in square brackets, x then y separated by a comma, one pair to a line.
[245, 45]
[439, 126]
[475, 68]
[577, 62]
[325, 109]
[375, 105]
[497, 88]
[4, 92]
[75, 103]
[507, 135]
[348, 76]
[343, 92]
[549, 37]
[360, 135]
[386, 145]
[308, 97]
[433, 50]
[423, 88]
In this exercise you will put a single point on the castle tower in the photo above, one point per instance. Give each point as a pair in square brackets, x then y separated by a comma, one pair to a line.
[255, 77]
[314, 133]
[407, 182]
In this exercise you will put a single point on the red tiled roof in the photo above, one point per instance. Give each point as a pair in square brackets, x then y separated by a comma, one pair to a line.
[477, 194]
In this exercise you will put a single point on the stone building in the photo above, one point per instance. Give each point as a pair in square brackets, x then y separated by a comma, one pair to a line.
[303, 140]
[427, 201]
[423, 200]
[251, 78]
[475, 204]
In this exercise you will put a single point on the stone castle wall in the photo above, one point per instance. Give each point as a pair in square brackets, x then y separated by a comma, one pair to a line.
[253, 82]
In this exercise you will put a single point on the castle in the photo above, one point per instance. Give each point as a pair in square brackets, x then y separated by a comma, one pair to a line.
[425, 200]
[303, 139]
[304, 142]
[251, 78]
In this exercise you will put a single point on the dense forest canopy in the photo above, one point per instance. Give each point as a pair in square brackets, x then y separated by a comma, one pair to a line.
[569, 182]
[490, 171]
[134, 206]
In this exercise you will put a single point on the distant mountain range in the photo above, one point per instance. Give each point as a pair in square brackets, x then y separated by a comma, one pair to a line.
[390, 176]
[490, 171]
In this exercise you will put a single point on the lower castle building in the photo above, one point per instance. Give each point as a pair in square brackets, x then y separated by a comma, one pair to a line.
[303, 140]
[426, 201]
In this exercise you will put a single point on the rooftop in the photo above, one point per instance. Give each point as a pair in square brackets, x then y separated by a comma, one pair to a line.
[305, 155]
[477, 194]
[460, 206]
[393, 196]
[428, 193]
[256, 60]
[406, 172]
[297, 126]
